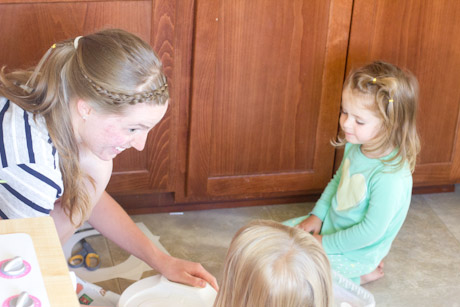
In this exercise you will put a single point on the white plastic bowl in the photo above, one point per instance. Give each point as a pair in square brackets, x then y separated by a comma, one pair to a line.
[349, 294]
[158, 291]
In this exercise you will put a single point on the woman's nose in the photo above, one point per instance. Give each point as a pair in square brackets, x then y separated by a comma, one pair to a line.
[139, 141]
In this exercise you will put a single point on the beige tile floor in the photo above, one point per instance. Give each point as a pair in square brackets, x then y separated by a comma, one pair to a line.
[422, 268]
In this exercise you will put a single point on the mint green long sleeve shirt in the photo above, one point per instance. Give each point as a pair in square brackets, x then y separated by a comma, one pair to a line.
[363, 207]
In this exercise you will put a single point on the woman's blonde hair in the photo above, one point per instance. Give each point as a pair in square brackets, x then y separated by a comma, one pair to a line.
[109, 69]
[271, 265]
[395, 98]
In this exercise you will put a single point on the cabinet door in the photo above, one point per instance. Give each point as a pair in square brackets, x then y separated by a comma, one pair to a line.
[266, 87]
[423, 37]
[23, 45]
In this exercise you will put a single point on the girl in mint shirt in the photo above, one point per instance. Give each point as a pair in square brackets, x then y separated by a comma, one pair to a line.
[365, 204]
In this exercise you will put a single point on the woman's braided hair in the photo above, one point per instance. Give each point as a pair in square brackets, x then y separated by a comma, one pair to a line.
[120, 70]
[160, 93]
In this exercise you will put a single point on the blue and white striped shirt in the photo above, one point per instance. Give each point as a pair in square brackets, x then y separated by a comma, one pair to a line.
[29, 163]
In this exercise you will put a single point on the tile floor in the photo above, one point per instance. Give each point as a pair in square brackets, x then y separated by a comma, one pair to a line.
[422, 268]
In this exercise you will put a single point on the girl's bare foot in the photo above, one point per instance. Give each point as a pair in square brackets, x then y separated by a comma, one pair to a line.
[376, 274]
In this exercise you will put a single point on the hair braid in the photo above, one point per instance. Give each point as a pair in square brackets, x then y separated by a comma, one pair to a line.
[160, 94]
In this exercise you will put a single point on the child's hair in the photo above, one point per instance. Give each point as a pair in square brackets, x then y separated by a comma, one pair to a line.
[395, 93]
[109, 69]
[269, 264]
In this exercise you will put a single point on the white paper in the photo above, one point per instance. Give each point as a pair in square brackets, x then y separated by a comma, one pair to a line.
[132, 268]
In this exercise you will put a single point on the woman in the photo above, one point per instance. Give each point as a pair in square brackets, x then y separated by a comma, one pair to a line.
[87, 100]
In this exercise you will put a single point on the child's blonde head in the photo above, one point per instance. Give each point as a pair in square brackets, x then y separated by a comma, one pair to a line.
[269, 264]
[394, 94]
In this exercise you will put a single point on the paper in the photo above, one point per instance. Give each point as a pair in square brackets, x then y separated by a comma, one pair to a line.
[132, 268]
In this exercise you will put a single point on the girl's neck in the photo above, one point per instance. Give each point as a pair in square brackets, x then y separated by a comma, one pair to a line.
[375, 154]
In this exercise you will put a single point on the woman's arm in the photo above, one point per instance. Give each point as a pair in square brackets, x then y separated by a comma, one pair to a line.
[114, 223]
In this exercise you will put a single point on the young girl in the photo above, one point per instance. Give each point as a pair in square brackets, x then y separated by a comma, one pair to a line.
[269, 264]
[365, 204]
[89, 98]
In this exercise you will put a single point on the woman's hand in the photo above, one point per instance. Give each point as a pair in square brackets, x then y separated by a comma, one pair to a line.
[114, 223]
[187, 272]
[311, 224]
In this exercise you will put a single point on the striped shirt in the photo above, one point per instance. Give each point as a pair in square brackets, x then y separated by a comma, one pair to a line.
[29, 164]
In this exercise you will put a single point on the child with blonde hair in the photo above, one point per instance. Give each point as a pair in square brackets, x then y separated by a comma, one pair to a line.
[365, 204]
[269, 264]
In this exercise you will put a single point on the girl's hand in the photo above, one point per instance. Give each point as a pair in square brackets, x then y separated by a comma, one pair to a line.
[319, 238]
[187, 272]
[311, 224]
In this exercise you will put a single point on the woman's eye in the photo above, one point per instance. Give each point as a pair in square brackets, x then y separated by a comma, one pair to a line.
[359, 123]
[132, 130]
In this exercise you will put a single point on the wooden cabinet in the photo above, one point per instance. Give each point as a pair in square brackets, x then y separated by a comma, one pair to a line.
[266, 86]
[265, 97]
[256, 87]
[28, 28]
[422, 36]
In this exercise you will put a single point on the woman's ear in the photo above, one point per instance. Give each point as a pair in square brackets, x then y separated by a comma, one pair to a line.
[83, 108]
